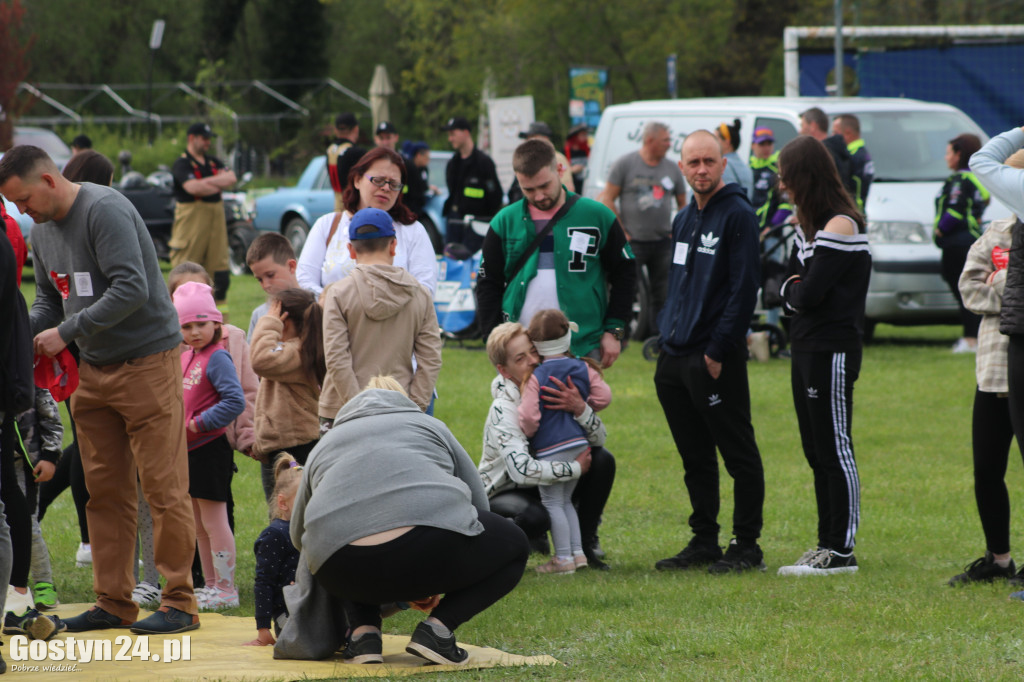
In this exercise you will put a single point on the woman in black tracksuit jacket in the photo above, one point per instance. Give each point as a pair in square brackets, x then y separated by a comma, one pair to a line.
[825, 291]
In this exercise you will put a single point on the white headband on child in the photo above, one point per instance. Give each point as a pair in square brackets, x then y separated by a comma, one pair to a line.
[556, 346]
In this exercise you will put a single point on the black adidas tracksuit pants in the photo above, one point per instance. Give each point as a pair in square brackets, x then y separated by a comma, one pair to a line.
[705, 413]
[823, 398]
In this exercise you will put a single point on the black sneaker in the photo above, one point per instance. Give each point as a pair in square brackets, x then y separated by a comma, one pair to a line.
[3, 665]
[94, 619]
[739, 558]
[367, 648]
[595, 546]
[594, 561]
[983, 570]
[33, 624]
[166, 620]
[693, 555]
[540, 545]
[427, 644]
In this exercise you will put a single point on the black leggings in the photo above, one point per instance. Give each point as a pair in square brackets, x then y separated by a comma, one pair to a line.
[69, 472]
[991, 436]
[19, 515]
[472, 572]
[953, 260]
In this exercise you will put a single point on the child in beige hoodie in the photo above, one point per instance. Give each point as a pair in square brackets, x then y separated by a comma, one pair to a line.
[376, 320]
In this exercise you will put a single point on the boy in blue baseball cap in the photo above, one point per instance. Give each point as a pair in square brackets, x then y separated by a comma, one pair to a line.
[376, 320]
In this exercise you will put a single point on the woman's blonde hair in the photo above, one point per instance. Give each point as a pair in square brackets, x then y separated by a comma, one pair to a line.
[385, 382]
[287, 476]
[497, 341]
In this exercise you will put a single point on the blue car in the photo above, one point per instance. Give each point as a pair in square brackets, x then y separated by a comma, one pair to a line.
[293, 210]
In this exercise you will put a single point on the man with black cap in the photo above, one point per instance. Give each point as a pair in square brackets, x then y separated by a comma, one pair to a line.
[386, 135]
[342, 154]
[542, 131]
[200, 232]
[473, 185]
[417, 164]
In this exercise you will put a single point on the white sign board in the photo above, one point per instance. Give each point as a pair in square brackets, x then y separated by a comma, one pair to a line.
[508, 116]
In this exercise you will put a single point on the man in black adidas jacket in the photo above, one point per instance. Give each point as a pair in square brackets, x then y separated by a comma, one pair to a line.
[701, 377]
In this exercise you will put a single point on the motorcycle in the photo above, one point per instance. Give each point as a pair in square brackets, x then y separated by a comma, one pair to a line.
[153, 198]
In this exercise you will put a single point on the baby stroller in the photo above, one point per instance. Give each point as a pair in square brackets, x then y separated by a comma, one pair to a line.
[455, 302]
[774, 251]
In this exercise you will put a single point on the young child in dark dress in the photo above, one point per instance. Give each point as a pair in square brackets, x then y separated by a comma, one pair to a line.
[276, 556]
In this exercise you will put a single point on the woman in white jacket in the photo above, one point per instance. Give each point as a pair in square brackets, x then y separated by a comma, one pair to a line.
[510, 474]
[376, 181]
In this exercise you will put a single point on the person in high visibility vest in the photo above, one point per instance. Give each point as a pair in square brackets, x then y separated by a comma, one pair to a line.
[958, 209]
[862, 168]
[473, 185]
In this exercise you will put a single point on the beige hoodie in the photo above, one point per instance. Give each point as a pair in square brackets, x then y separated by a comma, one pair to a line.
[375, 320]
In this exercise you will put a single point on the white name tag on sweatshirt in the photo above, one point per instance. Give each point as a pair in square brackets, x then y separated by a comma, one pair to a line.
[682, 249]
[83, 284]
[579, 242]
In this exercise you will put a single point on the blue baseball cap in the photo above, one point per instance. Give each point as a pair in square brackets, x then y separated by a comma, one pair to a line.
[371, 217]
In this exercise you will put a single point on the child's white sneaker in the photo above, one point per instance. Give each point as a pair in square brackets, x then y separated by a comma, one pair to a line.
[215, 598]
[83, 557]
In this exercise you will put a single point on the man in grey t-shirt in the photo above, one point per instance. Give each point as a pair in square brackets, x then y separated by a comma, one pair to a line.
[645, 182]
[98, 284]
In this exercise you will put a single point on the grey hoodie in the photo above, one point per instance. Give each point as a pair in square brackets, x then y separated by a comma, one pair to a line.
[384, 465]
[375, 320]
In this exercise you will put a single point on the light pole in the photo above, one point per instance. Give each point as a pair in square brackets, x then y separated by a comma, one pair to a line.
[839, 48]
[155, 38]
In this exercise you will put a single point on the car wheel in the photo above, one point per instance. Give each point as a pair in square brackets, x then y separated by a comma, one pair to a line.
[296, 230]
[652, 347]
[435, 236]
[240, 236]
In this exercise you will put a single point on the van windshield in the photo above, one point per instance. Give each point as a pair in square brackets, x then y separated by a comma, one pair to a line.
[910, 146]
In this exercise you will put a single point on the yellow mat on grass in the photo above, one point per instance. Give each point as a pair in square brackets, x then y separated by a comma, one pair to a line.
[215, 652]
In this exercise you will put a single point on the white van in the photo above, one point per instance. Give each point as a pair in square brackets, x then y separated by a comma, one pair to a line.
[907, 141]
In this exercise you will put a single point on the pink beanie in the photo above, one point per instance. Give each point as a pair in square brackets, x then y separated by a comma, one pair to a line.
[194, 302]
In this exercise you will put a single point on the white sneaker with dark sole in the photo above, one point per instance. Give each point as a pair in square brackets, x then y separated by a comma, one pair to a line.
[824, 562]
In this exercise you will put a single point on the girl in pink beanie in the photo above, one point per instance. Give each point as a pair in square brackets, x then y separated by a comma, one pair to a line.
[213, 399]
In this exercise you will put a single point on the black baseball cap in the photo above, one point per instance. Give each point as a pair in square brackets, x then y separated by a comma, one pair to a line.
[385, 127]
[202, 129]
[456, 123]
[346, 120]
[537, 128]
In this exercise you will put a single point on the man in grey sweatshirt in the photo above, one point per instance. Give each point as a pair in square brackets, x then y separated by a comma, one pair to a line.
[98, 284]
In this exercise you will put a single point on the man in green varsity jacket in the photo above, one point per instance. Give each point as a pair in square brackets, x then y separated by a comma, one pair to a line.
[582, 265]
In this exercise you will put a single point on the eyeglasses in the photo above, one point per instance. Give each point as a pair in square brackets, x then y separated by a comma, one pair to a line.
[393, 185]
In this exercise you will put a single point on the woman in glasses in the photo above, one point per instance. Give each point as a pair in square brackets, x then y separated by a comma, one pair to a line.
[376, 181]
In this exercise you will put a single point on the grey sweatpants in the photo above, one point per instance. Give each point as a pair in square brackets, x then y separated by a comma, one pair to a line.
[557, 501]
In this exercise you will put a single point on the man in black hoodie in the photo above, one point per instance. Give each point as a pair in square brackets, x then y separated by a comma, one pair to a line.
[814, 122]
[701, 377]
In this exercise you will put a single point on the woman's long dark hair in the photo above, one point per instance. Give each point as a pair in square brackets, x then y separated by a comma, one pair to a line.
[400, 213]
[89, 166]
[809, 173]
[965, 145]
[307, 315]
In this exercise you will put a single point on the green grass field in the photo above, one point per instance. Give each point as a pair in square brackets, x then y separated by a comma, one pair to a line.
[895, 619]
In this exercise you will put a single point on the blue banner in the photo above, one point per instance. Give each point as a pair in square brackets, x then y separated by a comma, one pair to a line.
[982, 80]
